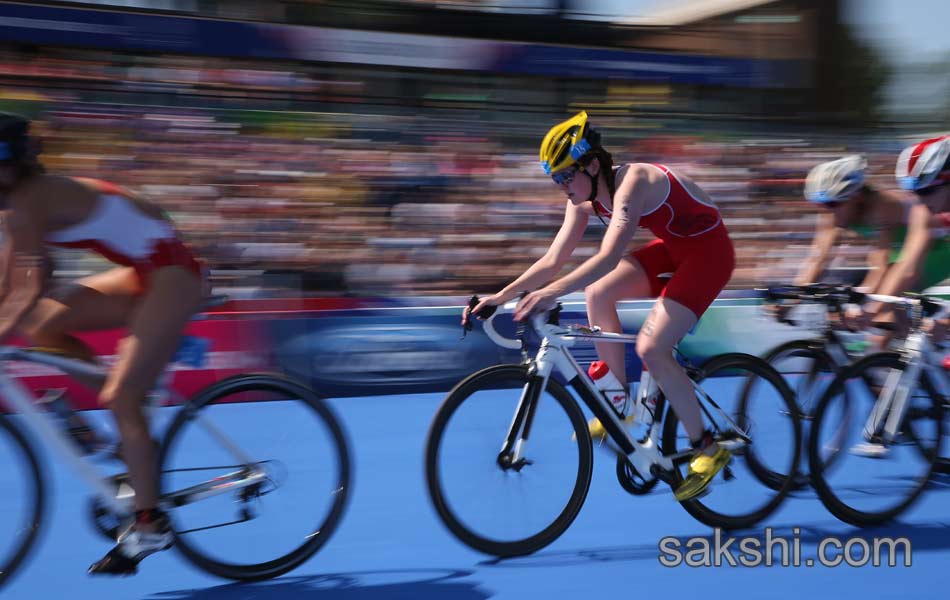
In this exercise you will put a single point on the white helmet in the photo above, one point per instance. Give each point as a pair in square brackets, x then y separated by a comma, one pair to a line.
[835, 180]
[924, 164]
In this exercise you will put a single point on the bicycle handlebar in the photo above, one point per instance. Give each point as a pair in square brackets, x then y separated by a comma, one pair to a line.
[930, 307]
[488, 314]
[489, 327]
[831, 295]
[835, 296]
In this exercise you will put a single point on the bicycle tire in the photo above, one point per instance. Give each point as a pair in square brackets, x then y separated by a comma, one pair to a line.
[832, 501]
[821, 362]
[813, 349]
[757, 366]
[29, 533]
[462, 391]
[321, 532]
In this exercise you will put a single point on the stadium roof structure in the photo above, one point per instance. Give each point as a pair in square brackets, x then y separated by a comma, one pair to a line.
[682, 12]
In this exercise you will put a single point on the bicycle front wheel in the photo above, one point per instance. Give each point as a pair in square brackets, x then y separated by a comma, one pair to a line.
[755, 401]
[874, 479]
[22, 500]
[254, 424]
[490, 505]
[808, 369]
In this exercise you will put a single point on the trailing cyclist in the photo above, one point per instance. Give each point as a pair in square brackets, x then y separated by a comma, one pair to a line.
[685, 268]
[906, 255]
[153, 291]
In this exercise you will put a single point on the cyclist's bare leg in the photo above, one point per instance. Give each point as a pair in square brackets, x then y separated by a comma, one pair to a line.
[627, 280]
[99, 302]
[174, 295]
[666, 325]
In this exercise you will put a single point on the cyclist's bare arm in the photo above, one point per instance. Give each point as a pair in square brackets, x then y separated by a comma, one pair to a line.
[644, 185]
[24, 268]
[545, 268]
[878, 261]
[904, 273]
[826, 235]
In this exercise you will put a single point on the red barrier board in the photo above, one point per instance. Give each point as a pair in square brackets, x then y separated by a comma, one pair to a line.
[236, 345]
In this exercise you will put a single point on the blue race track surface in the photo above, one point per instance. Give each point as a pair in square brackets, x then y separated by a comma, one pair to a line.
[392, 545]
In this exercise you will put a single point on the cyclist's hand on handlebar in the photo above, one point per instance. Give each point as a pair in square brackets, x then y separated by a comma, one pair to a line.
[854, 318]
[482, 309]
[779, 312]
[537, 301]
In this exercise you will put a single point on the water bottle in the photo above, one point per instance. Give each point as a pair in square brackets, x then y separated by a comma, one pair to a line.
[647, 394]
[608, 383]
[77, 427]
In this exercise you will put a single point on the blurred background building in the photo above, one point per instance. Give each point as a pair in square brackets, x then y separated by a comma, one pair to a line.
[384, 147]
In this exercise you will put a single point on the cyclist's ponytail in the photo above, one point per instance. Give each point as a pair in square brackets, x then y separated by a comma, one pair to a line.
[606, 167]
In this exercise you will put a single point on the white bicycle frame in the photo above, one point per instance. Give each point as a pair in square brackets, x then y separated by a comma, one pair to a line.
[921, 355]
[554, 355]
[18, 397]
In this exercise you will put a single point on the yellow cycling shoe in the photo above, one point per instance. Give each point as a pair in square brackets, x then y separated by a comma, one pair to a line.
[598, 432]
[702, 469]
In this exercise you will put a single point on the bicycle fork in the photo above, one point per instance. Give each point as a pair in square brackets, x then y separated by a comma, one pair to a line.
[511, 454]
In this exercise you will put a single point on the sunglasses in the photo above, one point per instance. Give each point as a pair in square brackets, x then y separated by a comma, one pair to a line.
[565, 177]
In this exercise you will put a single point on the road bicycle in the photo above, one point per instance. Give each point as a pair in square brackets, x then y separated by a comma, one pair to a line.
[810, 365]
[481, 468]
[895, 426]
[254, 469]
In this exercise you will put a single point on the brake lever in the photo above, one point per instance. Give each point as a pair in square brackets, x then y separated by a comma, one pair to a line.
[485, 313]
[554, 315]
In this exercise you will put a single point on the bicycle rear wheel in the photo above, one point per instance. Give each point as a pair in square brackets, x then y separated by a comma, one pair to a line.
[22, 501]
[266, 529]
[872, 481]
[759, 404]
[498, 508]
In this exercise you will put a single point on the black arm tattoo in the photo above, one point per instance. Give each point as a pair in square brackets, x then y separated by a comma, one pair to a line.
[623, 216]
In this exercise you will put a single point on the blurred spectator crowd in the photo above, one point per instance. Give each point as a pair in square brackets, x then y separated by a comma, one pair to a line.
[334, 197]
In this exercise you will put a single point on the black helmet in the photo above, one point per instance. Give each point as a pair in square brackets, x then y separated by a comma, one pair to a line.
[14, 131]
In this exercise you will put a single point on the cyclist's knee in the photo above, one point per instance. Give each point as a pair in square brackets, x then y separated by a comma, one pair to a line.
[598, 294]
[123, 400]
[651, 351]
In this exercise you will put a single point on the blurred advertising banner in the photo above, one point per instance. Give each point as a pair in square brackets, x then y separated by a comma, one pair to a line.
[144, 32]
[420, 349]
[350, 347]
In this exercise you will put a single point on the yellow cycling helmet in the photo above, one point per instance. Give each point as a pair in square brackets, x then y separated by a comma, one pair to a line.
[566, 143]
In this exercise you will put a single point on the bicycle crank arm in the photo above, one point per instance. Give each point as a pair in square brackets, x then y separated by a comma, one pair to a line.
[734, 442]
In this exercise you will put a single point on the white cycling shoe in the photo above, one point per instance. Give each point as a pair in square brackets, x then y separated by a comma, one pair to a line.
[133, 546]
[870, 450]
